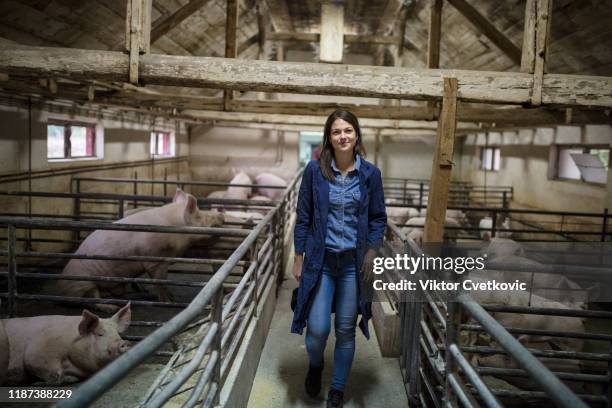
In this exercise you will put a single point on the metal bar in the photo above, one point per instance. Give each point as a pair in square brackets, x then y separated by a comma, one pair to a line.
[91, 301]
[488, 398]
[203, 380]
[517, 372]
[217, 318]
[571, 355]
[459, 390]
[559, 392]
[12, 270]
[48, 224]
[174, 182]
[539, 332]
[49, 276]
[166, 393]
[604, 225]
[548, 311]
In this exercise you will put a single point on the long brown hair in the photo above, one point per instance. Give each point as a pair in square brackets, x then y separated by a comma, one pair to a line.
[327, 150]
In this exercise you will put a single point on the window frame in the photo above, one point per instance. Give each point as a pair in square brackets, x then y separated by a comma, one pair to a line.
[585, 150]
[67, 124]
[154, 134]
[494, 162]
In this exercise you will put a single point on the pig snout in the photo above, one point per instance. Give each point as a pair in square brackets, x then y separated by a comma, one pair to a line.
[119, 348]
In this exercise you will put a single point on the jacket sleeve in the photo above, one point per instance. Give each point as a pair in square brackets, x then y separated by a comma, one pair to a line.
[377, 214]
[304, 211]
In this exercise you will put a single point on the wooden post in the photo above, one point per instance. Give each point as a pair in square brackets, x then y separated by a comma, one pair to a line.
[433, 39]
[544, 11]
[528, 52]
[231, 24]
[442, 164]
[332, 32]
[137, 33]
[433, 42]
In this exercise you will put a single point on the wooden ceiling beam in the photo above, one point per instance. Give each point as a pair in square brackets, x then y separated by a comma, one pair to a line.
[279, 15]
[348, 38]
[488, 29]
[306, 78]
[163, 27]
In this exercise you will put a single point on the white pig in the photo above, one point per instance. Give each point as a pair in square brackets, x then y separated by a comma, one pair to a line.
[217, 194]
[499, 247]
[183, 211]
[486, 227]
[269, 179]
[400, 215]
[239, 193]
[64, 349]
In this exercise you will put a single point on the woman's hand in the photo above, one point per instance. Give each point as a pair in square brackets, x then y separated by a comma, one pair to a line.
[297, 266]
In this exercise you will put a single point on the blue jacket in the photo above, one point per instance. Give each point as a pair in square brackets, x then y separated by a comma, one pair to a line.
[311, 227]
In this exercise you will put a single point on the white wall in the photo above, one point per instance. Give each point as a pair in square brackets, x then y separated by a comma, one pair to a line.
[524, 165]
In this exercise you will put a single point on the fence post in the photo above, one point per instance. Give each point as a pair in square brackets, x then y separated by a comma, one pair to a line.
[504, 200]
[255, 277]
[165, 181]
[120, 210]
[12, 270]
[453, 321]
[405, 193]
[494, 224]
[420, 195]
[76, 235]
[135, 188]
[216, 316]
[604, 225]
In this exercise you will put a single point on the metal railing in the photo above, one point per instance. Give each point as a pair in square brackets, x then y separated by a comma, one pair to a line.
[215, 323]
[531, 225]
[415, 192]
[438, 373]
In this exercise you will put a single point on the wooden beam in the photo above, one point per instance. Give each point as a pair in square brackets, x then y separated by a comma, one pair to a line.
[433, 38]
[231, 24]
[332, 32]
[279, 15]
[488, 29]
[442, 164]
[544, 14]
[376, 147]
[366, 131]
[137, 35]
[262, 28]
[306, 78]
[313, 120]
[161, 28]
[316, 37]
[529, 37]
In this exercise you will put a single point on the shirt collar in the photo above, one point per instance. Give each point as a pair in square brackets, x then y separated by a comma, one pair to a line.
[357, 164]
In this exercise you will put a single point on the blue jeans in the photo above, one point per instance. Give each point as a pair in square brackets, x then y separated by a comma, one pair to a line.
[339, 280]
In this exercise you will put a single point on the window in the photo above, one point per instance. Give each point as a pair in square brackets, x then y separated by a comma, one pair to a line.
[586, 163]
[162, 144]
[69, 140]
[490, 158]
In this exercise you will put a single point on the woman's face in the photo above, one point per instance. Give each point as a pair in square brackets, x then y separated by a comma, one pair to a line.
[343, 136]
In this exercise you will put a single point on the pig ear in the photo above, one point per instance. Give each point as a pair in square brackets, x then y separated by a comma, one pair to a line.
[179, 196]
[192, 204]
[88, 322]
[123, 318]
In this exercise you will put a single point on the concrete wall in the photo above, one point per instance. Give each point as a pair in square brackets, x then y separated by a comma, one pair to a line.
[124, 143]
[525, 166]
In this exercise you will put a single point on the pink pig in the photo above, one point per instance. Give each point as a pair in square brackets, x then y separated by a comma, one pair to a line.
[269, 179]
[63, 349]
[183, 211]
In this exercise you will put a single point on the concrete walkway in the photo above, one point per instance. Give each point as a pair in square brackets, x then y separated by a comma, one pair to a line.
[374, 381]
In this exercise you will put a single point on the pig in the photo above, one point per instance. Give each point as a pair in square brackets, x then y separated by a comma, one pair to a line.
[486, 227]
[239, 193]
[269, 179]
[418, 223]
[217, 194]
[183, 211]
[500, 247]
[532, 321]
[260, 210]
[4, 353]
[244, 216]
[416, 236]
[64, 349]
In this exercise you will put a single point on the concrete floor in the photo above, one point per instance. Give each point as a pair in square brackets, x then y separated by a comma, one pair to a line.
[374, 381]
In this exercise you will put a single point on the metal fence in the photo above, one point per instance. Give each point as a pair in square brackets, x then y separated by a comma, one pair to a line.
[435, 361]
[415, 192]
[228, 290]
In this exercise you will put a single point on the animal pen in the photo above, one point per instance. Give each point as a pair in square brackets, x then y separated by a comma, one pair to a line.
[434, 362]
[218, 286]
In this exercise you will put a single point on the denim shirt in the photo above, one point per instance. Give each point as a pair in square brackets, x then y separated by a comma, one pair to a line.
[344, 199]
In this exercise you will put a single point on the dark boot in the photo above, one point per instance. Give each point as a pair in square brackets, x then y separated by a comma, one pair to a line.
[335, 398]
[313, 381]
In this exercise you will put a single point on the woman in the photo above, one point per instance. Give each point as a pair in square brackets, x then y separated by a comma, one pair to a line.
[340, 215]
